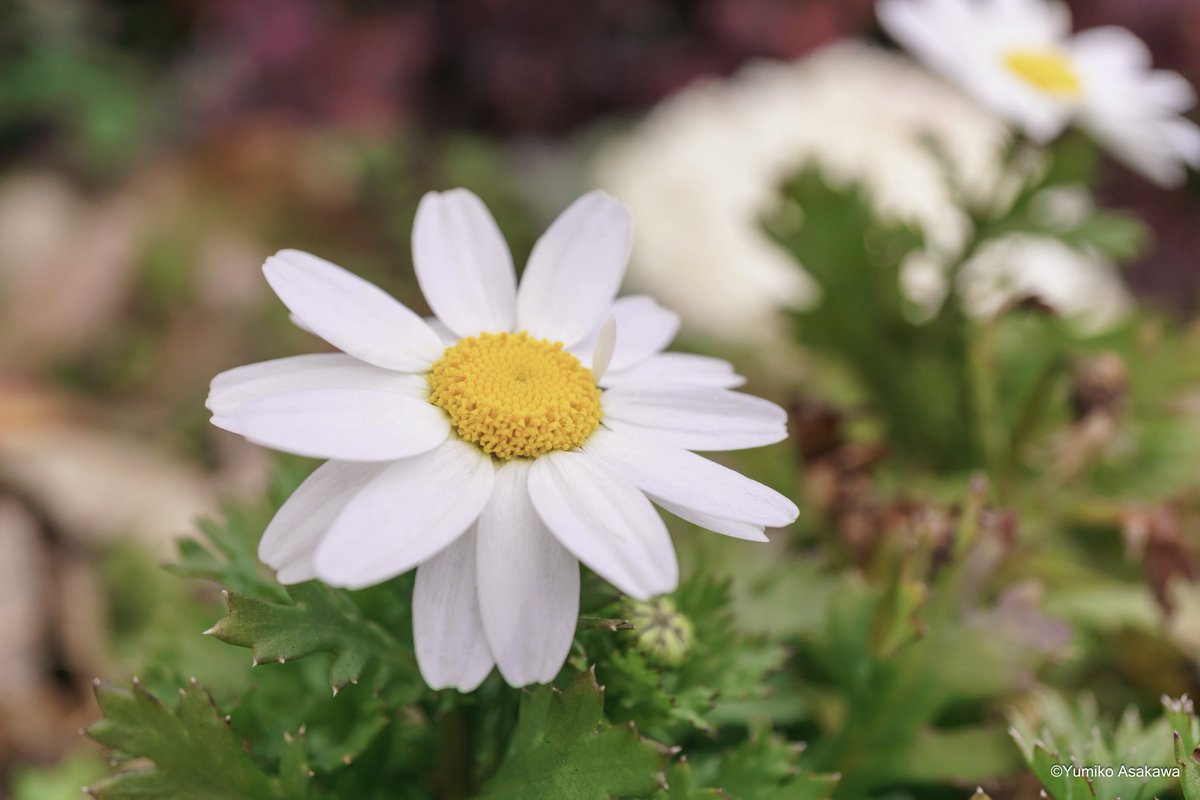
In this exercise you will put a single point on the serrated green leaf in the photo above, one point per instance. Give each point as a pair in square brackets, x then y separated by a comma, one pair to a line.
[1057, 737]
[295, 775]
[231, 558]
[724, 671]
[680, 786]
[767, 767]
[564, 750]
[230, 555]
[318, 620]
[196, 754]
[1047, 767]
[1185, 727]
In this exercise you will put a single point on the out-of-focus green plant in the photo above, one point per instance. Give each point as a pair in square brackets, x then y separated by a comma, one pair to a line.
[934, 378]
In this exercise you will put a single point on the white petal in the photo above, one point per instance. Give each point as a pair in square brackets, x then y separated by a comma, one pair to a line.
[352, 314]
[677, 368]
[691, 481]
[344, 424]
[299, 323]
[602, 348]
[575, 269]
[1118, 48]
[1183, 137]
[234, 387]
[913, 25]
[463, 264]
[644, 329]
[291, 539]
[722, 525]
[528, 584]
[694, 417]
[605, 521]
[448, 337]
[452, 651]
[412, 510]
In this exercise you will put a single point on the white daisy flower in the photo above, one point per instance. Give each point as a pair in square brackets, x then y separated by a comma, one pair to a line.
[499, 444]
[1019, 57]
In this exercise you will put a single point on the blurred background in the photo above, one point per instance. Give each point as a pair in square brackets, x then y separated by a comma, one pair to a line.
[154, 152]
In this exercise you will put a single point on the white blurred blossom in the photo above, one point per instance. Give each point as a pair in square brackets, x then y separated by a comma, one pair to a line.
[1080, 286]
[1020, 58]
[706, 165]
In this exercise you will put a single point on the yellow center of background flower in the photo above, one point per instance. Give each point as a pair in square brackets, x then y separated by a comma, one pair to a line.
[1047, 70]
[515, 396]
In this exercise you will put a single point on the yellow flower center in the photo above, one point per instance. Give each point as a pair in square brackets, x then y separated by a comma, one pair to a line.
[515, 396]
[1048, 70]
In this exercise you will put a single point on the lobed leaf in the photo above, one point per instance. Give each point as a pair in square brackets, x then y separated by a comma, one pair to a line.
[563, 749]
[195, 753]
[318, 620]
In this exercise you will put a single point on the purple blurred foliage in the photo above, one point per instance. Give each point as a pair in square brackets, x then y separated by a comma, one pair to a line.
[500, 66]
[311, 59]
[509, 68]
[528, 66]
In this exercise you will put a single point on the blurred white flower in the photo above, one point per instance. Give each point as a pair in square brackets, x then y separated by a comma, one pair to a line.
[706, 165]
[1082, 287]
[1019, 58]
[496, 446]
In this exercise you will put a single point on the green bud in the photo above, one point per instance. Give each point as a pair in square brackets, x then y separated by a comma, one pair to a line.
[662, 634]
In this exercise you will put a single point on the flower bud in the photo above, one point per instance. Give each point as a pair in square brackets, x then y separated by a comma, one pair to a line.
[661, 633]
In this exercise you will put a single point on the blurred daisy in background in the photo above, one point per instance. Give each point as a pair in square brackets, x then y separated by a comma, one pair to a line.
[1020, 58]
[706, 166]
[1078, 285]
[494, 447]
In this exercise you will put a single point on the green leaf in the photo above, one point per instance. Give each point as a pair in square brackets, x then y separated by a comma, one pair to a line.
[230, 557]
[680, 786]
[959, 756]
[766, 767]
[295, 775]
[723, 671]
[318, 620]
[912, 370]
[1186, 728]
[1121, 237]
[564, 750]
[1054, 734]
[196, 754]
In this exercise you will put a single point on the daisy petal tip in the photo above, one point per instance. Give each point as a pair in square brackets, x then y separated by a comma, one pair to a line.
[281, 260]
[603, 196]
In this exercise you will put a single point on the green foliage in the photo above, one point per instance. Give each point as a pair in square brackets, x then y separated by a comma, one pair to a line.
[915, 370]
[1061, 740]
[767, 767]
[60, 782]
[1070, 165]
[228, 554]
[880, 650]
[915, 646]
[196, 755]
[318, 620]
[681, 787]
[723, 668]
[563, 750]
[1185, 727]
